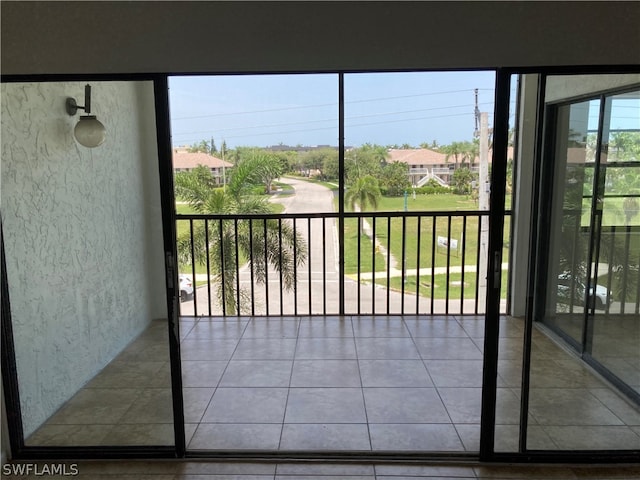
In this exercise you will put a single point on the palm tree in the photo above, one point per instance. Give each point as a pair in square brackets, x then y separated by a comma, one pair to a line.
[471, 151]
[362, 194]
[454, 149]
[264, 242]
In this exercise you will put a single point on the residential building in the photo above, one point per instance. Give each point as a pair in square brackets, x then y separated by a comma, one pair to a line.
[187, 161]
[425, 164]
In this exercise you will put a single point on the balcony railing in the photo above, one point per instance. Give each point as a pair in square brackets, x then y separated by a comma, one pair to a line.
[392, 263]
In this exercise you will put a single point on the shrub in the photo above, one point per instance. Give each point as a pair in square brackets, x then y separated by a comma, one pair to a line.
[432, 190]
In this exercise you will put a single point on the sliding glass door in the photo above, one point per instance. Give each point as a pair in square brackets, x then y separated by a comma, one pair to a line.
[588, 293]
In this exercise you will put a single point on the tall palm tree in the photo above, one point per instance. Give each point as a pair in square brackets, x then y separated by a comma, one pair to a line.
[471, 151]
[262, 243]
[362, 194]
[455, 150]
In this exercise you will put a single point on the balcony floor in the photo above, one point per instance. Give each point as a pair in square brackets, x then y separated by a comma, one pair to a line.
[350, 384]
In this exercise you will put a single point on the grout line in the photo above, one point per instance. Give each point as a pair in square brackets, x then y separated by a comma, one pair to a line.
[215, 389]
[364, 401]
[286, 403]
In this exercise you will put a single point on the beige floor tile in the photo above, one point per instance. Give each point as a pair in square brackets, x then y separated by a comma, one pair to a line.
[141, 434]
[325, 405]
[394, 373]
[96, 406]
[594, 437]
[325, 373]
[153, 405]
[335, 437]
[415, 437]
[202, 373]
[428, 471]
[246, 436]
[247, 405]
[68, 435]
[295, 469]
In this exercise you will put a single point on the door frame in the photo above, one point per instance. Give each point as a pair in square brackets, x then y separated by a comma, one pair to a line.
[536, 285]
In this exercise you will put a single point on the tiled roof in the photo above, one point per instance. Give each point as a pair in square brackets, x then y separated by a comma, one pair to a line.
[424, 156]
[416, 156]
[192, 160]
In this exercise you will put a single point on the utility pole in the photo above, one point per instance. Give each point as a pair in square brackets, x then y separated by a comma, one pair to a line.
[484, 190]
[476, 113]
[224, 171]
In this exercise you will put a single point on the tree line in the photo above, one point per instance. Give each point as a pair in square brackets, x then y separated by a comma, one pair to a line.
[368, 159]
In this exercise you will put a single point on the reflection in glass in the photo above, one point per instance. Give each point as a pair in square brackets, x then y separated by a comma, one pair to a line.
[570, 218]
[616, 321]
[591, 294]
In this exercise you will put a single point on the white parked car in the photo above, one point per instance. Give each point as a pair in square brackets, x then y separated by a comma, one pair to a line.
[600, 298]
[186, 287]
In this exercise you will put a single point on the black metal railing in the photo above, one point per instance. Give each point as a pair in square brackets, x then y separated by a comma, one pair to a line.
[394, 263]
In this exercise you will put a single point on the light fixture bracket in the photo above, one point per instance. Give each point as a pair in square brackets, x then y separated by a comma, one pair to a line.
[72, 106]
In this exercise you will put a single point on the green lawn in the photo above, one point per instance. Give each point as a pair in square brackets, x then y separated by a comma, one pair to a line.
[440, 285]
[445, 201]
[394, 242]
[366, 251]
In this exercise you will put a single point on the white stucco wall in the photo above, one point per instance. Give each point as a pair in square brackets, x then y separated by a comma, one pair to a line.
[83, 245]
[523, 183]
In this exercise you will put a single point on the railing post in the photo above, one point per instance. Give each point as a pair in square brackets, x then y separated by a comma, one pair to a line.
[206, 242]
[341, 190]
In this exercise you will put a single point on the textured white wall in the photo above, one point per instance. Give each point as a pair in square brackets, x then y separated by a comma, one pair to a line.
[82, 279]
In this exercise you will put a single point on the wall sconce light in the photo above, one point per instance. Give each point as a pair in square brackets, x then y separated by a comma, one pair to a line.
[89, 131]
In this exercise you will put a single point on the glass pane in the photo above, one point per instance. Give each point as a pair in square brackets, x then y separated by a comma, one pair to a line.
[256, 145]
[417, 145]
[616, 321]
[571, 407]
[570, 218]
[83, 237]
[511, 329]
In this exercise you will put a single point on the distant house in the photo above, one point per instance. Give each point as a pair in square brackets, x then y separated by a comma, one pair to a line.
[184, 162]
[425, 164]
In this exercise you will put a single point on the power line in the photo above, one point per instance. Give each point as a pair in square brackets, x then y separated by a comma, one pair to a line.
[218, 130]
[300, 107]
[346, 126]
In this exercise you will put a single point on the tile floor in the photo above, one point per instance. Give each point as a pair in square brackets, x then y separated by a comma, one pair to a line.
[354, 383]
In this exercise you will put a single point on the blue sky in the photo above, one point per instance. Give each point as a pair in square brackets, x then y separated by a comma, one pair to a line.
[383, 108]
